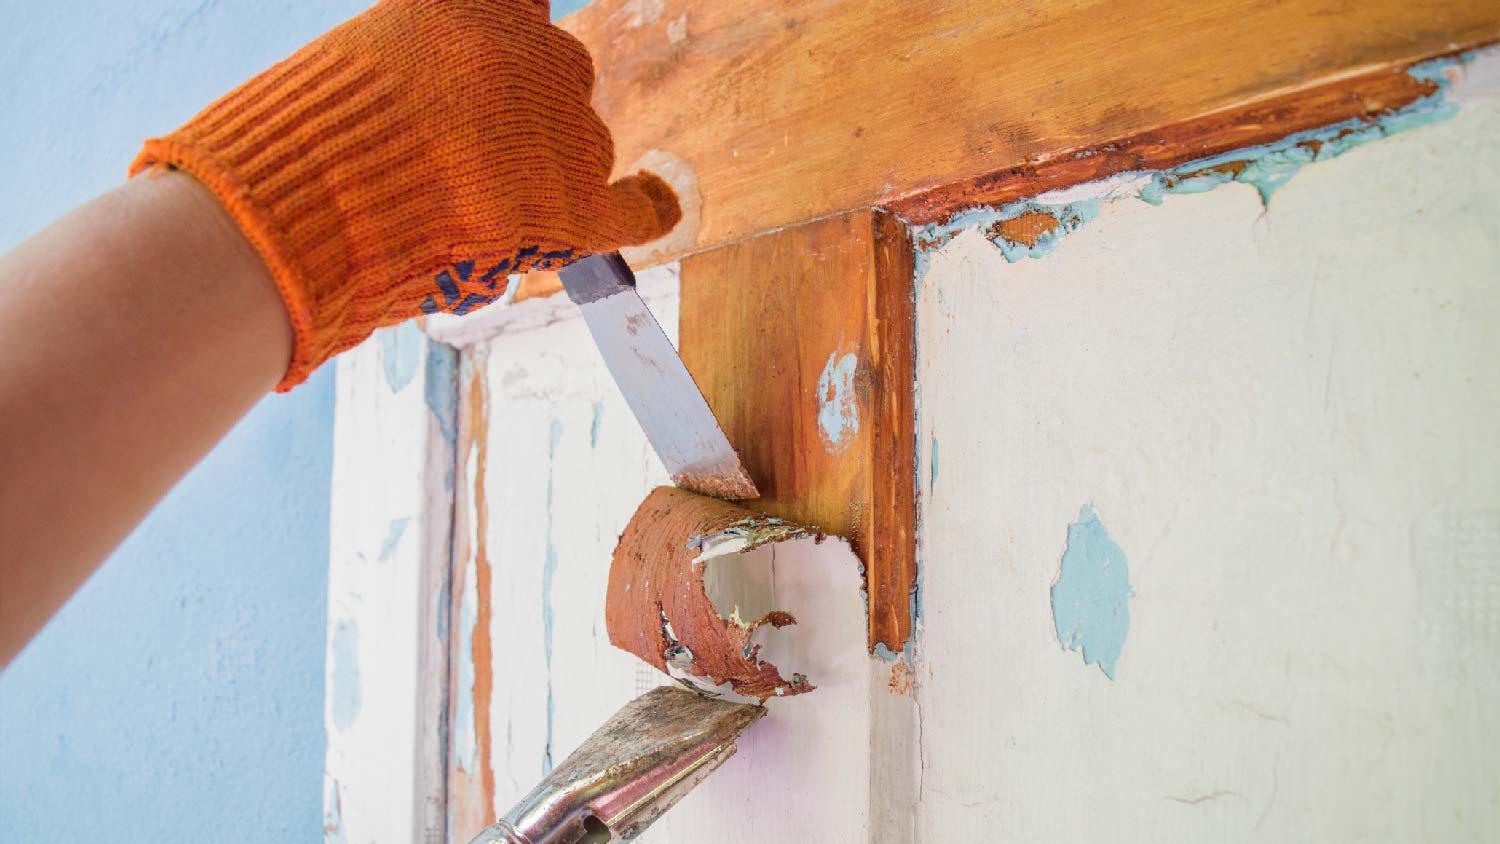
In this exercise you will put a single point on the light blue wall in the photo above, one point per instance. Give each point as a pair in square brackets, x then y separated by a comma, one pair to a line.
[179, 696]
[567, 7]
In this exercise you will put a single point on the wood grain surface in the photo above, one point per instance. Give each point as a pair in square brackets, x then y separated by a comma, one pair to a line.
[802, 341]
[784, 110]
[1363, 96]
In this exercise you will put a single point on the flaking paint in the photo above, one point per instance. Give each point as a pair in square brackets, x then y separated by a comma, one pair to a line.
[838, 412]
[463, 739]
[347, 699]
[483, 662]
[440, 390]
[1090, 598]
[400, 353]
[393, 534]
[1266, 167]
[549, 575]
[333, 813]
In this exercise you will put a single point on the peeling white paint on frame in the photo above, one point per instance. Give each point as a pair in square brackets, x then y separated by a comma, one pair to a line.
[1266, 404]
[389, 541]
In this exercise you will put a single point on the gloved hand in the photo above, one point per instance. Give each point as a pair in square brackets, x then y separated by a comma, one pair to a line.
[409, 159]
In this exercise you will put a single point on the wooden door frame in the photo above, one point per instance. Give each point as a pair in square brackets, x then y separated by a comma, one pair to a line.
[733, 106]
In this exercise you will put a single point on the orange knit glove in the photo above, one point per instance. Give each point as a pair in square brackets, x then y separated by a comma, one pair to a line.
[409, 159]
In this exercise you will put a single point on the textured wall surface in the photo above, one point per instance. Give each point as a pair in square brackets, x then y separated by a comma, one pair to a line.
[1242, 456]
[180, 693]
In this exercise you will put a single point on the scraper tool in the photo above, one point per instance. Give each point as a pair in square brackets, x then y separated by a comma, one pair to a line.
[657, 386]
[629, 772]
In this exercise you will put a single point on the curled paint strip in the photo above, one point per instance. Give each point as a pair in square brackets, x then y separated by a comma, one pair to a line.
[659, 609]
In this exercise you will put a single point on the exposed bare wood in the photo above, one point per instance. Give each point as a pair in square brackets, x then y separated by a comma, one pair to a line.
[1363, 97]
[785, 111]
[471, 775]
[802, 342]
[537, 284]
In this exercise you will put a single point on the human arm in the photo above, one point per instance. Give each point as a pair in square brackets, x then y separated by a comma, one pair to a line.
[406, 162]
[134, 333]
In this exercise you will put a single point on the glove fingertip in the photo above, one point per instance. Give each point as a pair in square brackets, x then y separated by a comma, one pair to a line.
[646, 206]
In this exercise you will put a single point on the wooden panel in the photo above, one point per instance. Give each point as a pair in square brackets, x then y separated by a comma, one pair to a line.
[471, 675]
[783, 111]
[1363, 97]
[802, 342]
[389, 539]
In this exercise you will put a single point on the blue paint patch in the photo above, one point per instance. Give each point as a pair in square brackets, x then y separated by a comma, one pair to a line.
[393, 533]
[1270, 166]
[400, 351]
[932, 466]
[838, 414]
[549, 573]
[886, 653]
[1266, 168]
[346, 689]
[440, 389]
[1090, 595]
[594, 425]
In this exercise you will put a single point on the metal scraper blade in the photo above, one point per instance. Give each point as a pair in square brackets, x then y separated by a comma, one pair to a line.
[657, 386]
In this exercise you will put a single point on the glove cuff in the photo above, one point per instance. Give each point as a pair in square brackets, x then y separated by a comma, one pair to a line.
[293, 155]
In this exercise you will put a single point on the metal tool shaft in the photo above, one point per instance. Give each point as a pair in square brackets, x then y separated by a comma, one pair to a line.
[655, 382]
[629, 772]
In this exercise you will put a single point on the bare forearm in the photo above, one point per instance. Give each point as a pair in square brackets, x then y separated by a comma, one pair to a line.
[134, 332]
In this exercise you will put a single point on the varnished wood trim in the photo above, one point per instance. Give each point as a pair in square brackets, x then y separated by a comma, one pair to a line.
[1362, 97]
[762, 321]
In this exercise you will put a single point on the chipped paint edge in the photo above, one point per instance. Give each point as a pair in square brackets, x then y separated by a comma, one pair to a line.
[1266, 167]
[386, 687]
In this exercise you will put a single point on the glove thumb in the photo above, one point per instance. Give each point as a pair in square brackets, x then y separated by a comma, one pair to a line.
[642, 208]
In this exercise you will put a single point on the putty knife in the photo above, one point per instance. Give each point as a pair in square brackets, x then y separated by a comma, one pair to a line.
[629, 772]
[657, 386]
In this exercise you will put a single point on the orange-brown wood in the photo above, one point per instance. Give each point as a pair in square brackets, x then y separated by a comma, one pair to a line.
[657, 601]
[785, 110]
[1363, 96]
[471, 793]
[539, 283]
[767, 327]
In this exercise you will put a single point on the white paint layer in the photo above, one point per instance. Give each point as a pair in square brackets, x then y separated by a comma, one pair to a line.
[1288, 421]
[803, 772]
[388, 563]
[567, 466]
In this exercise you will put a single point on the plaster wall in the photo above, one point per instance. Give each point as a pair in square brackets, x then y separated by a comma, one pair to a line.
[180, 693]
[1246, 457]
